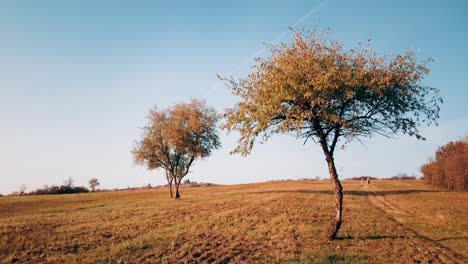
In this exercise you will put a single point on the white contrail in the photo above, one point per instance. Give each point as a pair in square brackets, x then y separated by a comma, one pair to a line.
[312, 11]
[259, 52]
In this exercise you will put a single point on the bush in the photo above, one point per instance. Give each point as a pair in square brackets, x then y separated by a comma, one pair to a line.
[449, 169]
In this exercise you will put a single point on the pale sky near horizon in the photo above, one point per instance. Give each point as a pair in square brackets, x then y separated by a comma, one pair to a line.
[78, 77]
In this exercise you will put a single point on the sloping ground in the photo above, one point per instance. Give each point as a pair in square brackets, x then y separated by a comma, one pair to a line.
[387, 222]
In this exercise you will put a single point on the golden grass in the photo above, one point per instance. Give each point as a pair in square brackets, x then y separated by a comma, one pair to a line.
[277, 222]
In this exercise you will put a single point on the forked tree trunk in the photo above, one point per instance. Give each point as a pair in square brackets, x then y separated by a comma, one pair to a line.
[336, 221]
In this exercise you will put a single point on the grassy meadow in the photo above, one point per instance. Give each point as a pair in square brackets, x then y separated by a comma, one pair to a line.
[274, 222]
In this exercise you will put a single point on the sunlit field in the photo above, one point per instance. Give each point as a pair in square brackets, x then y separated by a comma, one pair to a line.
[275, 222]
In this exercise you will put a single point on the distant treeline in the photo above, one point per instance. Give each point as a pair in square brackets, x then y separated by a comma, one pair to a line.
[68, 188]
[360, 178]
[449, 168]
[188, 183]
[397, 177]
[62, 189]
[402, 177]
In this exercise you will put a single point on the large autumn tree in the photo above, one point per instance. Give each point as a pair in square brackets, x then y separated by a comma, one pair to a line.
[449, 168]
[175, 137]
[315, 88]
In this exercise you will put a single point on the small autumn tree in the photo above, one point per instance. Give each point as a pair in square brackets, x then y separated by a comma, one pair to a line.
[316, 89]
[22, 189]
[93, 183]
[175, 137]
[68, 182]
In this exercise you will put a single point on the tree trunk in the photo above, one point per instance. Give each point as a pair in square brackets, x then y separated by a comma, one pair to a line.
[170, 189]
[177, 196]
[335, 223]
[169, 179]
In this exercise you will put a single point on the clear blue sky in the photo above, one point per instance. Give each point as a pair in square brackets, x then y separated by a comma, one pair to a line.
[77, 79]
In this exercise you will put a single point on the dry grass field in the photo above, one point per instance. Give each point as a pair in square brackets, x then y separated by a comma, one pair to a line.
[276, 222]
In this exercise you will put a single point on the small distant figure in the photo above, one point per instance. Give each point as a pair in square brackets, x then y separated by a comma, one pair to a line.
[362, 181]
[368, 180]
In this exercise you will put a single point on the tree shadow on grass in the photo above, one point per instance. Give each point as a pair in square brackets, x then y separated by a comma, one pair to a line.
[382, 237]
[343, 258]
[377, 237]
[356, 193]
[451, 238]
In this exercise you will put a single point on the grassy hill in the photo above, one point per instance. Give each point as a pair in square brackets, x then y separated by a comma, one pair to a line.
[386, 222]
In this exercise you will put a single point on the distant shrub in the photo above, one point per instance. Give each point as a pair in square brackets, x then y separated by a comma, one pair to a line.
[449, 168]
[63, 189]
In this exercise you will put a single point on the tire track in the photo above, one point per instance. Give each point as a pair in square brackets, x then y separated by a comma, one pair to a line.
[427, 220]
[395, 214]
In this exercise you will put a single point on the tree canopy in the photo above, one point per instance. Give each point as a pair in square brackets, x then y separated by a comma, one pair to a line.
[316, 89]
[175, 137]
